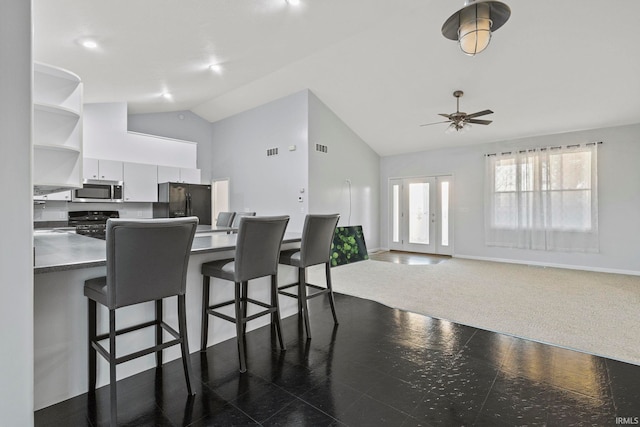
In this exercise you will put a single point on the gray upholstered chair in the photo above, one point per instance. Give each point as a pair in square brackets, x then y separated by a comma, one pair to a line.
[236, 220]
[146, 261]
[225, 219]
[315, 248]
[257, 251]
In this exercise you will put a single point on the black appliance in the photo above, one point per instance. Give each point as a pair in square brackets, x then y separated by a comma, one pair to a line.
[91, 223]
[178, 199]
[98, 191]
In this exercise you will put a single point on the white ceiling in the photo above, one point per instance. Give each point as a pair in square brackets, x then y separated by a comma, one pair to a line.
[381, 66]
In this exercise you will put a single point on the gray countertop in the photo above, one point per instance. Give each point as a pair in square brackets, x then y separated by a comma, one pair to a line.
[58, 250]
[213, 229]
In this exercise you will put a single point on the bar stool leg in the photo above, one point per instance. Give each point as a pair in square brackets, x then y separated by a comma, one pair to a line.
[158, 332]
[112, 368]
[301, 279]
[92, 329]
[331, 300]
[206, 281]
[184, 343]
[302, 285]
[274, 302]
[240, 320]
[245, 305]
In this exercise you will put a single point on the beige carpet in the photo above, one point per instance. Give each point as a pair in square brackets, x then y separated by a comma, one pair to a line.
[596, 313]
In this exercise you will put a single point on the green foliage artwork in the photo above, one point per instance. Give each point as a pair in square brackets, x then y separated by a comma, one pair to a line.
[348, 246]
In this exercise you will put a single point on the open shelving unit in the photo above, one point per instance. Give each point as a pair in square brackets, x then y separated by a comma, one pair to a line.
[57, 130]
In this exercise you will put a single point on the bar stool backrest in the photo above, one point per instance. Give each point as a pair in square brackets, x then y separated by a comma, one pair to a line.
[258, 246]
[225, 219]
[147, 259]
[317, 236]
[236, 219]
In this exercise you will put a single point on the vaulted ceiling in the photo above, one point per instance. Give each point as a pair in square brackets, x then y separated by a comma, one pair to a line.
[382, 66]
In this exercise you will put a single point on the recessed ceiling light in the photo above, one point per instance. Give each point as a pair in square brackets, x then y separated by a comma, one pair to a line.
[89, 44]
[216, 68]
[293, 2]
[166, 95]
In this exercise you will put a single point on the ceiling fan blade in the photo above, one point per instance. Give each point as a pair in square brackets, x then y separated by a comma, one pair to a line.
[478, 122]
[478, 114]
[445, 115]
[435, 123]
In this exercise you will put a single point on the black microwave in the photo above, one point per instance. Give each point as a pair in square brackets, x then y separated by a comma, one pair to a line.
[98, 191]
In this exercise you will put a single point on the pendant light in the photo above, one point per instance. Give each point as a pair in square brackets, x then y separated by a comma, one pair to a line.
[472, 25]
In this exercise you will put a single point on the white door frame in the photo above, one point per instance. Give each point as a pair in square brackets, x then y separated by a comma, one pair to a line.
[440, 227]
[220, 197]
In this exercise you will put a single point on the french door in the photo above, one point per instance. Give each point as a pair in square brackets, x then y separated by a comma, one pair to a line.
[419, 219]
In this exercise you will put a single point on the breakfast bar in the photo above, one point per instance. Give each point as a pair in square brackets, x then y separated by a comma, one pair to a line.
[64, 260]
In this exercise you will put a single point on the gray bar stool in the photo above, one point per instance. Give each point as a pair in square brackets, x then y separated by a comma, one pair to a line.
[146, 261]
[257, 250]
[225, 219]
[236, 219]
[315, 248]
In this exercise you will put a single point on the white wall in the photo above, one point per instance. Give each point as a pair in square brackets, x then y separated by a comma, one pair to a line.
[348, 157]
[16, 250]
[183, 125]
[105, 136]
[266, 185]
[618, 192]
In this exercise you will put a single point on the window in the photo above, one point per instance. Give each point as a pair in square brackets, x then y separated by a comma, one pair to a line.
[543, 199]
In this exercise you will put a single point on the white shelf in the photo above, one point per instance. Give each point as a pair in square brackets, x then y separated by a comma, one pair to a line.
[56, 109]
[55, 86]
[57, 130]
[58, 147]
[56, 126]
[54, 71]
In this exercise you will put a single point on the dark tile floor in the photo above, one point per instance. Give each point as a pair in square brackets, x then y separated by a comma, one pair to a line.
[379, 367]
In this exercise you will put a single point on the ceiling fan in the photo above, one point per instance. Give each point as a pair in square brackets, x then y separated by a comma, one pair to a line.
[459, 121]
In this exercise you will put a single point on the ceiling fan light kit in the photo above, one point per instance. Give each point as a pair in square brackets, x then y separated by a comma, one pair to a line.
[473, 25]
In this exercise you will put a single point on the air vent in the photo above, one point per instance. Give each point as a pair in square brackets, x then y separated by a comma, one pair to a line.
[272, 152]
[321, 148]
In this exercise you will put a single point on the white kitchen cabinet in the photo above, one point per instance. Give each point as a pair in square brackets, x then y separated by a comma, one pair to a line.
[140, 182]
[175, 174]
[190, 176]
[110, 170]
[168, 174]
[57, 130]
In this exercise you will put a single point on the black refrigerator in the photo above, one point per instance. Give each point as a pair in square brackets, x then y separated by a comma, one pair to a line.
[177, 200]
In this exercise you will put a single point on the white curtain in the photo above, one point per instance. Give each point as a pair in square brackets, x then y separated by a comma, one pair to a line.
[543, 199]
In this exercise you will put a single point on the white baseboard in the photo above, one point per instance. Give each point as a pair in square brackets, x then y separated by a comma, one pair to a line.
[547, 264]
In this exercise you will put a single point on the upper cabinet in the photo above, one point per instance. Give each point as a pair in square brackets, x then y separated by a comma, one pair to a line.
[140, 182]
[175, 174]
[110, 170]
[57, 130]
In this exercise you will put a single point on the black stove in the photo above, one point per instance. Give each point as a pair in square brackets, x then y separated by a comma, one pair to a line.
[91, 223]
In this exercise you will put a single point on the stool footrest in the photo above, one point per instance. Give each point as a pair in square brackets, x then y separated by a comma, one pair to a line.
[211, 310]
[105, 353]
[128, 329]
[288, 286]
[289, 294]
[320, 290]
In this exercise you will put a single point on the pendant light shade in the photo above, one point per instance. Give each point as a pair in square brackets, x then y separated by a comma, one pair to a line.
[472, 25]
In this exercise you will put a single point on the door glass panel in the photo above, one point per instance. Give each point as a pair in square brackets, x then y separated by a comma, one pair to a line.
[444, 213]
[419, 213]
[396, 213]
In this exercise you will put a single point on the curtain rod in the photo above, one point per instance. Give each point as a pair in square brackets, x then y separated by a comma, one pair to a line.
[545, 148]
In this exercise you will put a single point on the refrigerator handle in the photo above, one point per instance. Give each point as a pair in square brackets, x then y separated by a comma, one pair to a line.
[188, 201]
